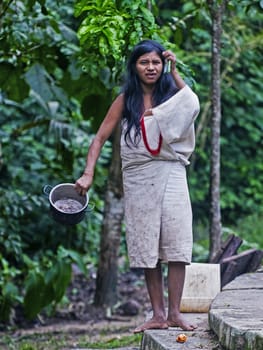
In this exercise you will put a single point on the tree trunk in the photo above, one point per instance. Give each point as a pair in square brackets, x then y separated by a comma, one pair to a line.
[107, 274]
[216, 10]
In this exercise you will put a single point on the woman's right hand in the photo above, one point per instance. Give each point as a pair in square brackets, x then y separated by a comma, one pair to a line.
[84, 183]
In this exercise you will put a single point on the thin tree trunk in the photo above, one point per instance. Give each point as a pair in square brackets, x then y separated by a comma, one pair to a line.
[107, 274]
[216, 10]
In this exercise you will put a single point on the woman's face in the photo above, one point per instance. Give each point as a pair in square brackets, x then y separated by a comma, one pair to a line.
[149, 68]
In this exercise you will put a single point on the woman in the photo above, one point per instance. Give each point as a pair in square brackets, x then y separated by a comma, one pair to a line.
[157, 112]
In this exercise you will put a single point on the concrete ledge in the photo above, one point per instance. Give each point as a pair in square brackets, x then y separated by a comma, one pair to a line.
[236, 314]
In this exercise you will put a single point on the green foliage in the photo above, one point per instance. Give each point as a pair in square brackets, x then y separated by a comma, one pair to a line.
[9, 293]
[47, 285]
[43, 141]
[249, 228]
[242, 129]
[25, 225]
[32, 31]
[109, 29]
[189, 25]
[242, 120]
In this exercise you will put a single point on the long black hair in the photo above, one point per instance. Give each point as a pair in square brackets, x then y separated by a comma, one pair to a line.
[133, 95]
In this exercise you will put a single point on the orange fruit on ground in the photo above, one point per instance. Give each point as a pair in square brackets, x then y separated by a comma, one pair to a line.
[181, 338]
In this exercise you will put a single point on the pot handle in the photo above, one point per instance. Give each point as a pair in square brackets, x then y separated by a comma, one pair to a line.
[90, 207]
[47, 189]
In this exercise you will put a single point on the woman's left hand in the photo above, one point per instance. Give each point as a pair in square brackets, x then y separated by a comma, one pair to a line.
[170, 56]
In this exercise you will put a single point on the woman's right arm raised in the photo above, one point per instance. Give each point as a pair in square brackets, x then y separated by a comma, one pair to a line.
[110, 121]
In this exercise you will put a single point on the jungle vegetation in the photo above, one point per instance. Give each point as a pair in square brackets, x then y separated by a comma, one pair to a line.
[61, 64]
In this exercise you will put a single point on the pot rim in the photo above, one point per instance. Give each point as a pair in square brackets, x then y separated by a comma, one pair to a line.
[61, 211]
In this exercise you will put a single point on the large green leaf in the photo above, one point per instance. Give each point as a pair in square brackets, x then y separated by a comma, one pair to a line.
[35, 295]
[58, 278]
[43, 84]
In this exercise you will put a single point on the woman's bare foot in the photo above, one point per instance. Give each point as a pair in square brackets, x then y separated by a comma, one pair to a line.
[179, 321]
[152, 324]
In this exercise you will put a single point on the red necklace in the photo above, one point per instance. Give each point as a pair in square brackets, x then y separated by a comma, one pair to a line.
[153, 152]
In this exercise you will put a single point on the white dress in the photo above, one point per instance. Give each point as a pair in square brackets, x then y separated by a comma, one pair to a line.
[158, 214]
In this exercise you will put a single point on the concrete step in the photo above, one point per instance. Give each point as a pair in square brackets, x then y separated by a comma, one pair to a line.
[201, 338]
[236, 314]
[234, 321]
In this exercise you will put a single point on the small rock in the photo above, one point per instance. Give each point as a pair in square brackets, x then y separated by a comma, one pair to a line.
[130, 308]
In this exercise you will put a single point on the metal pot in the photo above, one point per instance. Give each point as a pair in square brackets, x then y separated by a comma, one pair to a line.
[66, 191]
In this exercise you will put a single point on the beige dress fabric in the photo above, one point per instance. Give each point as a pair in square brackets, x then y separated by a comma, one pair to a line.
[158, 214]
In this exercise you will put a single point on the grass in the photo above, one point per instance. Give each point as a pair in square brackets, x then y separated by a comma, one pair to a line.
[115, 342]
[34, 342]
[62, 341]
